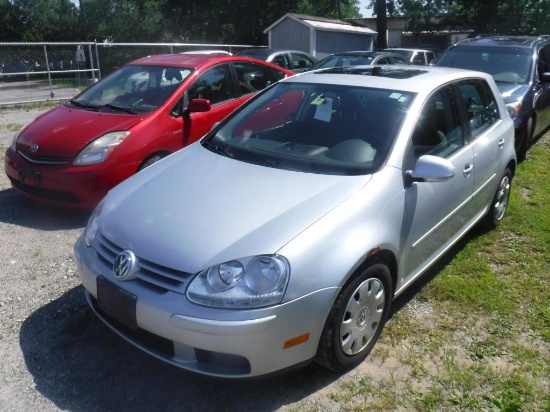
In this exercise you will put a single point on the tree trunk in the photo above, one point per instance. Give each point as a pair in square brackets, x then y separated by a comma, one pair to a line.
[381, 24]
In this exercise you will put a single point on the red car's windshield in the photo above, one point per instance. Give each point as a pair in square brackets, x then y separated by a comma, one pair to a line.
[134, 89]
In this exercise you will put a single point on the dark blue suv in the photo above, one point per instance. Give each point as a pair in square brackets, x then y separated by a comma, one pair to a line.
[520, 66]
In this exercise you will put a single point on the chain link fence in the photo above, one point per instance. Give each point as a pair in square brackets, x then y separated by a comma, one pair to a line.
[38, 72]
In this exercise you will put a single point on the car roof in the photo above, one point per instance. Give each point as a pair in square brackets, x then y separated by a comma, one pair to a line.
[390, 49]
[266, 52]
[189, 60]
[362, 53]
[415, 79]
[262, 53]
[504, 41]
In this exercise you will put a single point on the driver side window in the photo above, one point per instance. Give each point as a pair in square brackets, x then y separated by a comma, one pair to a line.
[214, 85]
[438, 131]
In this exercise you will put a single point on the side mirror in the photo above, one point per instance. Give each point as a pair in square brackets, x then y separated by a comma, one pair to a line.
[199, 105]
[430, 169]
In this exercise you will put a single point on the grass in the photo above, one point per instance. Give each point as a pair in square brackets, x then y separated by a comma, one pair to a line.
[476, 335]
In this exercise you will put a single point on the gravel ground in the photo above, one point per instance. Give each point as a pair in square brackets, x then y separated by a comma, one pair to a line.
[58, 356]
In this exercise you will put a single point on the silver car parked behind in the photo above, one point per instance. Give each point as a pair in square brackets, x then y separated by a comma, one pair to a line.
[284, 234]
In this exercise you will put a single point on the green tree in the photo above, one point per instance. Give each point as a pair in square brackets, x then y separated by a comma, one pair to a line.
[122, 20]
[11, 28]
[483, 16]
[47, 20]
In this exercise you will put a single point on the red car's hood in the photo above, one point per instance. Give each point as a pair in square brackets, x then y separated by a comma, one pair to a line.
[62, 132]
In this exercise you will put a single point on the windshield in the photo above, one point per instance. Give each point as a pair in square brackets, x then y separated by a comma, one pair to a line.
[316, 128]
[133, 89]
[505, 64]
[343, 60]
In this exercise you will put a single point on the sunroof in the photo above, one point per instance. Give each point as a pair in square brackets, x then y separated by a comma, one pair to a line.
[394, 72]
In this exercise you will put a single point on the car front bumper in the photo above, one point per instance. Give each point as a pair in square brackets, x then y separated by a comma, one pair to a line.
[218, 342]
[79, 187]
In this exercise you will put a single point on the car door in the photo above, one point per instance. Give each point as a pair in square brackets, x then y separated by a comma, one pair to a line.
[542, 93]
[485, 139]
[215, 85]
[437, 212]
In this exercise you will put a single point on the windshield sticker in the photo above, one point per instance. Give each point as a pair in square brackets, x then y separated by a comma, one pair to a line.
[318, 100]
[324, 108]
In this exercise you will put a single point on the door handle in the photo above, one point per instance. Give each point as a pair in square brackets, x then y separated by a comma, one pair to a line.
[501, 143]
[468, 169]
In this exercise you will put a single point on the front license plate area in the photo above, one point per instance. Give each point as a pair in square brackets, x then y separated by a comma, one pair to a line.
[26, 175]
[116, 303]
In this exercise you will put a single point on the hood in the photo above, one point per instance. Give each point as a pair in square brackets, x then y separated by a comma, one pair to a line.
[62, 132]
[195, 208]
[512, 92]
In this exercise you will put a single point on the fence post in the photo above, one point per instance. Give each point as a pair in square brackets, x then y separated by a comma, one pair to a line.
[97, 61]
[91, 56]
[48, 70]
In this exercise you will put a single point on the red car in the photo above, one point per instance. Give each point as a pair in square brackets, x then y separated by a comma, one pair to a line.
[149, 108]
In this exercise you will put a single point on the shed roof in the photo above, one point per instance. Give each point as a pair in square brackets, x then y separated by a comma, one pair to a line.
[322, 23]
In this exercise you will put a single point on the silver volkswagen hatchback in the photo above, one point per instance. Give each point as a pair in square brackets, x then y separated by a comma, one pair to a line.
[283, 236]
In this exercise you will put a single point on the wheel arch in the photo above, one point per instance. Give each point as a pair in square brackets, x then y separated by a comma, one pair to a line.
[384, 256]
[161, 153]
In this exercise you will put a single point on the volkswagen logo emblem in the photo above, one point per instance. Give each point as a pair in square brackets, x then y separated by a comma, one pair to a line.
[124, 265]
[34, 148]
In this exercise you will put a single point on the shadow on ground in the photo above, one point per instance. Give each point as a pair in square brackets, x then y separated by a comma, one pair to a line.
[18, 210]
[81, 365]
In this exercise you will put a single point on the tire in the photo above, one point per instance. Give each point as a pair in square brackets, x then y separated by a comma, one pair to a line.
[499, 205]
[523, 145]
[356, 319]
[149, 161]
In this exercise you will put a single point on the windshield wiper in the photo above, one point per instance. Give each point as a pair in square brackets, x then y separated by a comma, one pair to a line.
[85, 105]
[122, 108]
[217, 149]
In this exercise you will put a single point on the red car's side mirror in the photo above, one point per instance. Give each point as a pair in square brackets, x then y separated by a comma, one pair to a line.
[199, 105]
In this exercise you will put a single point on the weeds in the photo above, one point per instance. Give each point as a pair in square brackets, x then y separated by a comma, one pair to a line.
[477, 335]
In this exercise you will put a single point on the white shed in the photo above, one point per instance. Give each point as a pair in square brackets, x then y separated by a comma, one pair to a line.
[318, 36]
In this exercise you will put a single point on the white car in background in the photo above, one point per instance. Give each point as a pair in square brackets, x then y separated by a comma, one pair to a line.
[283, 236]
[417, 57]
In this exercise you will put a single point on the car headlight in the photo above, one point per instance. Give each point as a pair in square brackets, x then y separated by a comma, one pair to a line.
[252, 282]
[100, 149]
[93, 225]
[514, 109]
[13, 145]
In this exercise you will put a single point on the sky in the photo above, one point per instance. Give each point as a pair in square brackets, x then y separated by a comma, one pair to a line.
[363, 10]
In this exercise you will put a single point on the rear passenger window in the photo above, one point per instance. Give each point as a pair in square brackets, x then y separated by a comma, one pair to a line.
[480, 104]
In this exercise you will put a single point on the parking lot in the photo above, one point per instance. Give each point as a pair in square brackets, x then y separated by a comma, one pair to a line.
[58, 356]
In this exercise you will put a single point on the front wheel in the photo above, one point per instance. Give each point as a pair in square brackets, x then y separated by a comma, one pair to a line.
[149, 161]
[356, 319]
[499, 205]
